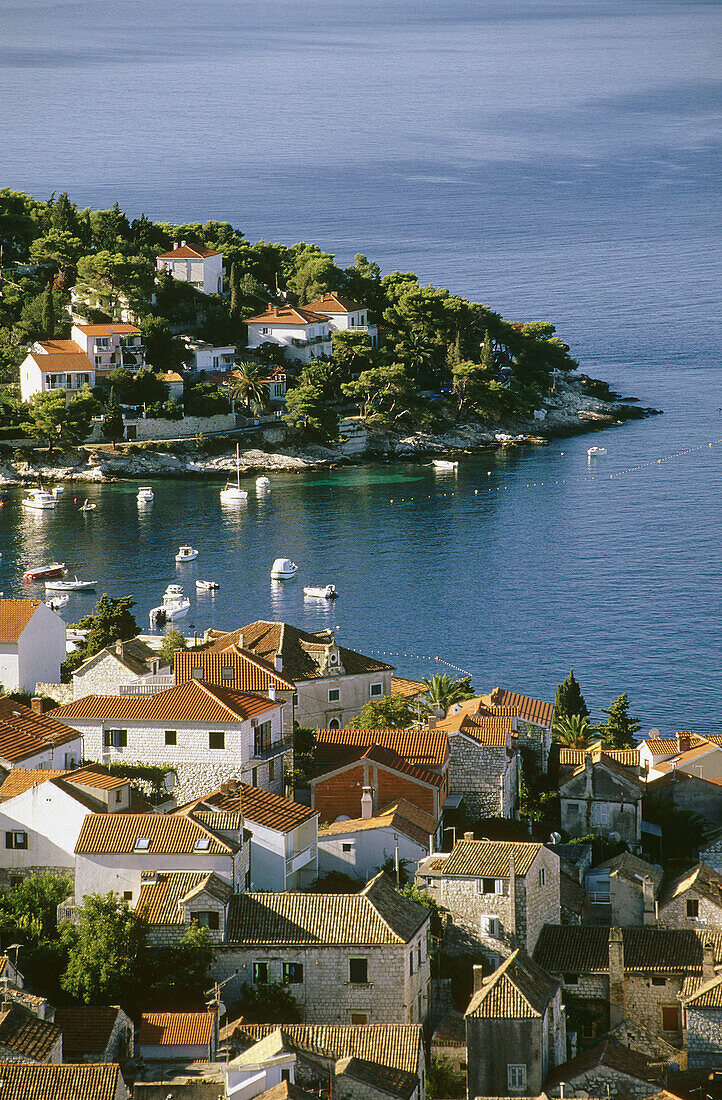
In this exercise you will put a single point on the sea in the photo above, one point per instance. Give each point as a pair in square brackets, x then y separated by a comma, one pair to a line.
[553, 160]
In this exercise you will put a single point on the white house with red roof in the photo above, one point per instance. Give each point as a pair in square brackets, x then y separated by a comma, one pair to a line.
[195, 264]
[110, 345]
[71, 364]
[305, 331]
[32, 644]
[344, 314]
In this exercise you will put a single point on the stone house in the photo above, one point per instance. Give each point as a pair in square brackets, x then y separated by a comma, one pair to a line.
[95, 1033]
[177, 1037]
[685, 752]
[499, 892]
[602, 797]
[169, 901]
[32, 644]
[27, 1037]
[116, 665]
[283, 835]
[612, 974]
[361, 846]
[375, 1062]
[31, 739]
[692, 900]
[332, 683]
[206, 734]
[711, 852]
[563, 760]
[373, 777]
[239, 670]
[113, 851]
[623, 891]
[195, 264]
[682, 790]
[607, 1069]
[515, 1029]
[484, 765]
[703, 1025]
[532, 728]
[99, 1082]
[346, 958]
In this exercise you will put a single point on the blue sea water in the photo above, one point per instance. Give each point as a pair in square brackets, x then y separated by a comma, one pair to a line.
[554, 160]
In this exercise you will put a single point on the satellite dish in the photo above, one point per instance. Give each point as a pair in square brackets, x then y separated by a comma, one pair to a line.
[555, 838]
[221, 1009]
[110, 332]
[654, 732]
[169, 781]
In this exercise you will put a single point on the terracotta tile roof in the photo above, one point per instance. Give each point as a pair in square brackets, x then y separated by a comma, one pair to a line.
[168, 834]
[109, 328]
[86, 1029]
[160, 897]
[599, 765]
[668, 746]
[24, 733]
[628, 757]
[528, 709]
[400, 685]
[376, 916]
[23, 1081]
[704, 880]
[94, 775]
[258, 806]
[15, 616]
[176, 1029]
[429, 748]
[398, 1046]
[708, 995]
[20, 780]
[189, 252]
[385, 758]
[401, 816]
[63, 362]
[584, 949]
[250, 672]
[60, 347]
[490, 858]
[518, 990]
[684, 758]
[287, 315]
[287, 1090]
[300, 650]
[488, 730]
[26, 1034]
[333, 303]
[191, 701]
[619, 1059]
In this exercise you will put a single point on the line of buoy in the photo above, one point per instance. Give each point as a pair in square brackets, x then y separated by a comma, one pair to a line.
[418, 657]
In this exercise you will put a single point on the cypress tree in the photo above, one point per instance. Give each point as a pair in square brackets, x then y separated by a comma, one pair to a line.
[235, 306]
[569, 699]
[487, 353]
[48, 313]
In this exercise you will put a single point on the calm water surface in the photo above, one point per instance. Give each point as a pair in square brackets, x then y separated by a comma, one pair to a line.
[554, 160]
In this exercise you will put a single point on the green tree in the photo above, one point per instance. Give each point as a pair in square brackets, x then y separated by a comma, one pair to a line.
[308, 410]
[442, 691]
[313, 272]
[57, 247]
[28, 911]
[272, 1003]
[111, 621]
[48, 314]
[103, 952]
[113, 425]
[569, 699]
[572, 730]
[619, 729]
[117, 276]
[172, 642]
[352, 354]
[63, 423]
[443, 1082]
[247, 386]
[163, 350]
[387, 392]
[391, 712]
[175, 978]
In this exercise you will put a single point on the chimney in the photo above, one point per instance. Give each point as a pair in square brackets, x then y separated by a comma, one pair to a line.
[183, 244]
[684, 742]
[616, 977]
[272, 693]
[36, 704]
[278, 662]
[478, 978]
[241, 641]
[431, 722]
[650, 915]
[468, 836]
[708, 961]
[367, 804]
[119, 647]
[512, 897]
[175, 245]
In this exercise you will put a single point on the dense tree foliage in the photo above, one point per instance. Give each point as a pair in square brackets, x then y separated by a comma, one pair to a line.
[111, 621]
[619, 729]
[390, 712]
[569, 699]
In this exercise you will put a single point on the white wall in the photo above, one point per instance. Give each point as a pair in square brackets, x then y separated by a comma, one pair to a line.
[41, 649]
[369, 850]
[315, 709]
[206, 273]
[31, 379]
[286, 334]
[52, 819]
[99, 873]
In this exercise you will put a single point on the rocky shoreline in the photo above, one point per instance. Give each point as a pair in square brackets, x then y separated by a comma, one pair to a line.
[577, 405]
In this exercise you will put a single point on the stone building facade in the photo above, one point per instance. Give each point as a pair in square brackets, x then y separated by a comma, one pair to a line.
[602, 797]
[484, 768]
[692, 900]
[703, 1018]
[118, 664]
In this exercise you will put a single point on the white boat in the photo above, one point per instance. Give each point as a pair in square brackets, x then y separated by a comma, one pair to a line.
[504, 437]
[594, 451]
[58, 491]
[87, 506]
[444, 464]
[283, 569]
[232, 494]
[70, 586]
[56, 602]
[174, 606]
[40, 500]
[207, 586]
[321, 592]
[145, 494]
[186, 553]
[263, 483]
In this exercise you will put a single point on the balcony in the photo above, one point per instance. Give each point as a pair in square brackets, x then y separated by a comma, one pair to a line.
[306, 855]
[285, 744]
[148, 686]
[102, 349]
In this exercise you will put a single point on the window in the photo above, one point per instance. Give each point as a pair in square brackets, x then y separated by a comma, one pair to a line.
[119, 795]
[516, 1076]
[216, 740]
[202, 844]
[171, 737]
[117, 739]
[347, 847]
[692, 907]
[333, 695]
[491, 886]
[16, 840]
[228, 673]
[142, 844]
[571, 979]
[294, 698]
[376, 690]
[600, 813]
[254, 777]
[292, 973]
[248, 882]
[419, 956]
[411, 963]
[542, 876]
[359, 1018]
[260, 973]
[334, 724]
[489, 926]
[658, 979]
[588, 1031]
[262, 739]
[271, 771]
[358, 971]
[207, 919]
[197, 673]
[127, 895]
[265, 331]
[573, 809]
[670, 1017]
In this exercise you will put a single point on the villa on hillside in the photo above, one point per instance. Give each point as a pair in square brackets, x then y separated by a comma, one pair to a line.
[81, 360]
[195, 264]
[305, 331]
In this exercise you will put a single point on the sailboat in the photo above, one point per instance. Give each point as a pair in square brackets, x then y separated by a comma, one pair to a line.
[233, 493]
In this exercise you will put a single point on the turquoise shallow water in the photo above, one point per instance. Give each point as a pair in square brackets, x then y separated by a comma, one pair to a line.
[556, 159]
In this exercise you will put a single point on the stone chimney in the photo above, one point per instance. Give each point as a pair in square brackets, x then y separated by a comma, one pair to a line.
[367, 804]
[119, 647]
[468, 836]
[175, 245]
[650, 909]
[616, 977]
[478, 978]
[708, 961]
[684, 742]
[241, 641]
[431, 722]
[183, 244]
[278, 662]
[36, 704]
[272, 692]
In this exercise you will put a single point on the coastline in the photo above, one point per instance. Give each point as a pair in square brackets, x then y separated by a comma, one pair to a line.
[578, 405]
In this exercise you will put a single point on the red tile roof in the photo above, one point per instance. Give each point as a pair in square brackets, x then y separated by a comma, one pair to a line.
[15, 616]
[258, 806]
[62, 361]
[20, 780]
[24, 1081]
[189, 252]
[386, 758]
[159, 898]
[176, 1029]
[168, 834]
[250, 672]
[110, 328]
[60, 347]
[490, 858]
[425, 747]
[333, 303]
[287, 315]
[191, 701]
[24, 733]
[86, 1029]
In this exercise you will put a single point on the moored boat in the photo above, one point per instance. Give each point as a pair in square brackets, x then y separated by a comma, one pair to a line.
[594, 452]
[45, 572]
[207, 586]
[56, 602]
[74, 585]
[444, 464]
[321, 592]
[233, 494]
[40, 500]
[145, 494]
[263, 483]
[283, 569]
[174, 606]
[186, 553]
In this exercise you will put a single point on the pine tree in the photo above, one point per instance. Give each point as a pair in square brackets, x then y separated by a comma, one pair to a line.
[235, 305]
[487, 354]
[48, 313]
[113, 426]
[619, 729]
[569, 699]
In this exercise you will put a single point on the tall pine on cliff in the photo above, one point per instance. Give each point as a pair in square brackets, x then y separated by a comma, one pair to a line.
[569, 699]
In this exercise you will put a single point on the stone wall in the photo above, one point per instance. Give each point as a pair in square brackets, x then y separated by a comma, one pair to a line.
[674, 913]
[484, 775]
[643, 1002]
[62, 693]
[538, 903]
[158, 428]
[712, 854]
[601, 1080]
[704, 1037]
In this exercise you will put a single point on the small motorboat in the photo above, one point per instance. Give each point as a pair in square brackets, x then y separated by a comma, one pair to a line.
[87, 506]
[207, 586]
[444, 464]
[233, 494]
[145, 494]
[262, 484]
[504, 437]
[321, 592]
[45, 572]
[186, 553]
[283, 569]
[56, 602]
[593, 452]
[40, 500]
[70, 586]
[174, 606]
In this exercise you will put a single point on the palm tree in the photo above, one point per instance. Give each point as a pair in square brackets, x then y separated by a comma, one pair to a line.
[247, 385]
[442, 691]
[573, 730]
